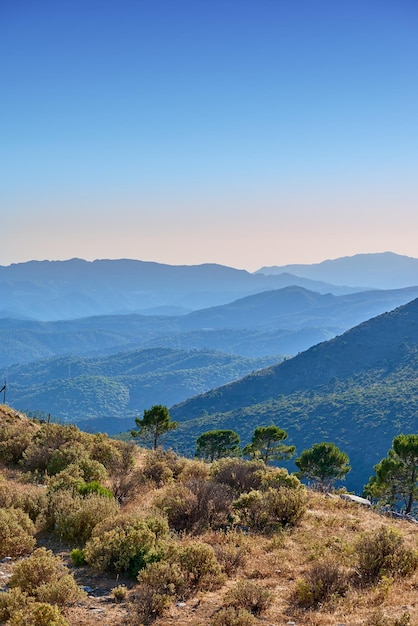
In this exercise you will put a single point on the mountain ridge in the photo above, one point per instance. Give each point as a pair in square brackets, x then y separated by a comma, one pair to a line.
[382, 270]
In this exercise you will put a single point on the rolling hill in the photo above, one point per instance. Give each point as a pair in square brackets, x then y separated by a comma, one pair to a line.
[357, 390]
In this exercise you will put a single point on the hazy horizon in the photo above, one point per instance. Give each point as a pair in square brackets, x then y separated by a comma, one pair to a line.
[234, 132]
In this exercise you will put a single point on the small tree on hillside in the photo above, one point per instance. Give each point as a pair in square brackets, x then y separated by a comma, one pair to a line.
[216, 444]
[323, 464]
[155, 423]
[267, 445]
[396, 479]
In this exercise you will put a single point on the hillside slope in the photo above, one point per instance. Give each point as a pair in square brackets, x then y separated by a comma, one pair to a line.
[107, 393]
[358, 390]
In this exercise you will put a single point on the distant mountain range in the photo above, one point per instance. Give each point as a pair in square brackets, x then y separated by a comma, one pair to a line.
[357, 390]
[58, 290]
[384, 270]
[283, 321]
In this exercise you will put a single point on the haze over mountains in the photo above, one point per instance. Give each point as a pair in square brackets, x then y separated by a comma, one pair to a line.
[284, 321]
[57, 290]
[97, 369]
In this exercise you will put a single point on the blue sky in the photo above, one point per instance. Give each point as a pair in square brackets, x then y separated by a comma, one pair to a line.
[246, 133]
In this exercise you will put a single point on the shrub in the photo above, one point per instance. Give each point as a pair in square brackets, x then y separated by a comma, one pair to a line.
[286, 506]
[196, 505]
[44, 577]
[126, 544]
[194, 470]
[40, 568]
[185, 570]
[62, 592]
[119, 593]
[277, 477]
[230, 616]
[14, 440]
[272, 509]
[383, 553]
[78, 557]
[31, 499]
[16, 533]
[49, 439]
[85, 489]
[162, 465]
[165, 578]
[38, 614]
[148, 605]
[198, 561]
[242, 476]
[249, 595]
[73, 517]
[324, 582]
[12, 601]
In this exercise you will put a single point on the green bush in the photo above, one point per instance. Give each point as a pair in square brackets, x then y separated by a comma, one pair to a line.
[249, 595]
[383, 553]
[119, 593]
[165, 578]
[126, 544]
[16, 533]
[49, 440]
[200, 565]
[85, 489]
[78, 557]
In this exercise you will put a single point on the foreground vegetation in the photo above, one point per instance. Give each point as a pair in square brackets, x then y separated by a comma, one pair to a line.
[173, 540]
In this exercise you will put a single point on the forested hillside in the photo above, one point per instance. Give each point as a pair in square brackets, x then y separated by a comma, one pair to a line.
[358, 390]
[105, 394]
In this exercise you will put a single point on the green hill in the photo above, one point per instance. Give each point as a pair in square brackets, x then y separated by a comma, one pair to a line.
[106, 393]
[358, 390]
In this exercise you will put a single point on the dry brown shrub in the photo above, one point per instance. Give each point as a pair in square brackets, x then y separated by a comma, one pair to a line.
[16, 533]
[231, 616]
[161, 466]
[196, 505]
[324, 582]
[44, 577]
[384, 553]
[249, 595]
